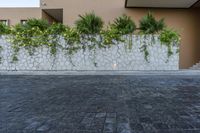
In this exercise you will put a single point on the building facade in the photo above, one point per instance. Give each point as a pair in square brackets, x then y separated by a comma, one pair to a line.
[182, 15]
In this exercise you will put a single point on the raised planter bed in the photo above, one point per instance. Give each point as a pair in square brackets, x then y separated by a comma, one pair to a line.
[117, 57]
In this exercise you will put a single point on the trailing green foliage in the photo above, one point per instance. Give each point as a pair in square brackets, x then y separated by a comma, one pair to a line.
[1, 49]
[169, 38]
[149, 25]
[88, 34]
[110, 37]
[57, 29]
[29, 36]
[144, 49]
[53, 34]
[4, 29]
[121, 26]
[40, 23]
[89, 24]
[72, 38]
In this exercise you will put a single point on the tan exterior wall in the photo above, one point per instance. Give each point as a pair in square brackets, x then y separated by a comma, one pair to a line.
[15, 15]
[183, 20]
[186, 21]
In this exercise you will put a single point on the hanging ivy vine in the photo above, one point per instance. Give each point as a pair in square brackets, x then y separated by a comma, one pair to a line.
[169, 38]
[4, 30]
[149, 27]
[88, 34]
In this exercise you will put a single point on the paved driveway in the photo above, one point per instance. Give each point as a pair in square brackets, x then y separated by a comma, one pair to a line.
[100, 104]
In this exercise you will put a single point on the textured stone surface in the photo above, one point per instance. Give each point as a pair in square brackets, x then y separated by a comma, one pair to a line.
[100, 104]
[115, 58]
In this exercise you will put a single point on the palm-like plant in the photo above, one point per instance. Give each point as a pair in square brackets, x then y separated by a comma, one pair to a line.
[149, 25]
[4, 29]
[124, 25]
[89, 24]
[37, 23]
[57, 29]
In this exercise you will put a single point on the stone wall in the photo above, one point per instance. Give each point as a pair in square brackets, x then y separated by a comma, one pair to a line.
[117, 57]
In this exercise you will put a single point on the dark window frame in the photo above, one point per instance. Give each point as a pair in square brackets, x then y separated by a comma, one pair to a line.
[23, 21]
[5, 21]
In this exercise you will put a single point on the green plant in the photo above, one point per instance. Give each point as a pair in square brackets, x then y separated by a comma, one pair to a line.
[124, 25]
[169, 38]
[1, 49]
[54, 32]
[72, 38]
[144, 49]
[29, 36]
[56, 29]
[87, 34]
[4, 29]
[110, 37]
[41, 24]
[149, 25]
[89, 24]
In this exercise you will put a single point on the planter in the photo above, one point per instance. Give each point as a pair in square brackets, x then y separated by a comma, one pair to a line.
[118, 57]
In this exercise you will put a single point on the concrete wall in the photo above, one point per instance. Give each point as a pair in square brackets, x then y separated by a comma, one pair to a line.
[117, 57]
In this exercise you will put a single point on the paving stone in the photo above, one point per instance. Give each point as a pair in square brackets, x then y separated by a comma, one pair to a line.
[100, 115]
[111, 115]
[33, 126]
[43, 128]
[160, 126]
[100, 104]
[109, 127]
[145, 120]
[123, 128]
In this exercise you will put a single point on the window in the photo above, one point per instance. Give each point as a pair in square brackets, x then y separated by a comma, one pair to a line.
[23, 21]
[6, 22]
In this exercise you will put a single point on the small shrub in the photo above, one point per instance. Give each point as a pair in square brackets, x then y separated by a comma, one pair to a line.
[41, 24]
[29, 36]
[169, 38]
[124, 25]
[89, 24]
[72, 38]
[4, 29]
[110, 37]
[56, 29]
[149, 25]
[54, 32]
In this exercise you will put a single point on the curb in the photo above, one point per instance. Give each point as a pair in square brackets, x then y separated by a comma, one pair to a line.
[173, 73]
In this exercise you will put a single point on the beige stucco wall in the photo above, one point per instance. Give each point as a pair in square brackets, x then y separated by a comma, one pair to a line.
[186, 21]
[15, 15]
